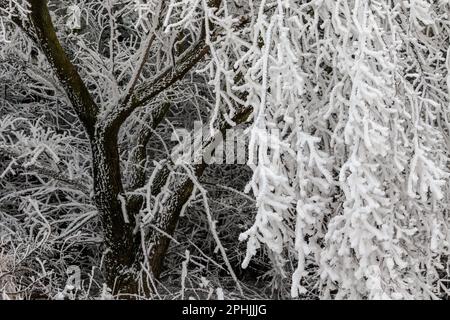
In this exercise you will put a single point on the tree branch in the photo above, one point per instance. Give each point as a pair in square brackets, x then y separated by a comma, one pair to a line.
[167, 219]
[139, 154]
[149, 90]
[66, 72]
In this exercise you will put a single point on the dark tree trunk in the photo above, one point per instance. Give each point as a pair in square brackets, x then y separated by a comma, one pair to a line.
[167, 221]
[118, 226]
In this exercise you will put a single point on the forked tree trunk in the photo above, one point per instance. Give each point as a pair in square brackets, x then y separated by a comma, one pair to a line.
[121, 237]
[123, 255]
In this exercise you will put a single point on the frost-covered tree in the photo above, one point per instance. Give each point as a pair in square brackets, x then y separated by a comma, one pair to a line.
[365, 176]
[347, 112]
[113, 77]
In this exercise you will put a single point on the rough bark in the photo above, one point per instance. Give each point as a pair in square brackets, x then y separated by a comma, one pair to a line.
[66, 72]
[117, 225]
[167, 219]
